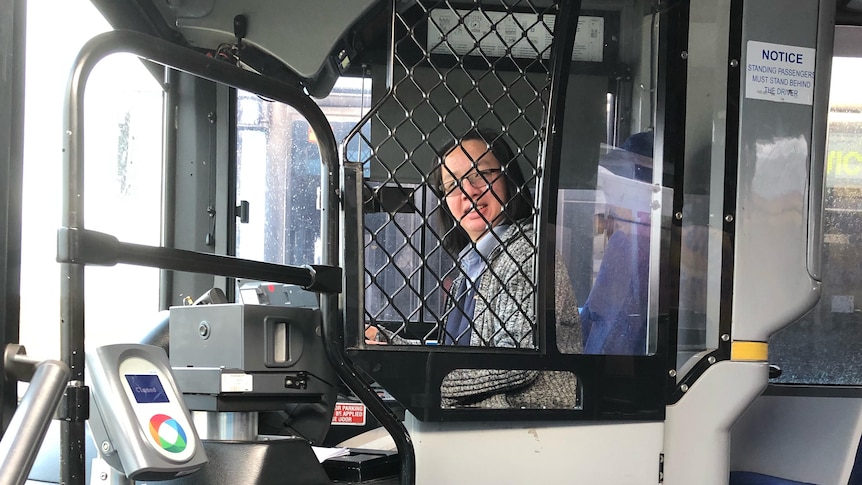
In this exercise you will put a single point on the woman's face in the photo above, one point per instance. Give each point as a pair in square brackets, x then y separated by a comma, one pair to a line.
[475, 187]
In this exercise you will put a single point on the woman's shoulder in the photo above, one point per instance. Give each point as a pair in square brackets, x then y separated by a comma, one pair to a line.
[517, 241]
[522, 229]
[520, 239]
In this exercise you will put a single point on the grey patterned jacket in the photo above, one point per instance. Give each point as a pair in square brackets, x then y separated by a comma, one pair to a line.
[505, 317]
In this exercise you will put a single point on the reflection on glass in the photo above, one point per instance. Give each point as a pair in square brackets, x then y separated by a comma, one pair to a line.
[615, 313]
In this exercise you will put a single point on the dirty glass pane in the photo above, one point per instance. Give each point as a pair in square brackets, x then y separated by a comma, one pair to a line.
[821, 348]
[278, 172]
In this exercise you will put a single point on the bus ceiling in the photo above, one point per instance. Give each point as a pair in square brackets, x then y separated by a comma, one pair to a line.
[308, 48]
[286, 40]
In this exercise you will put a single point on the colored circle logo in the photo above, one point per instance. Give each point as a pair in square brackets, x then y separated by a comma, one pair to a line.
[168, 433]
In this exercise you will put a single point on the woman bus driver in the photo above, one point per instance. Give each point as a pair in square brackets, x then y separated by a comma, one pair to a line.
[486, 224]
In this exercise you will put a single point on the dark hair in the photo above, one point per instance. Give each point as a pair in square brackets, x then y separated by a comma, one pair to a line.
[517, 207]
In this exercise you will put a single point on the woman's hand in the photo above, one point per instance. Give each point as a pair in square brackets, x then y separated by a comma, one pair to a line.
[371, 336]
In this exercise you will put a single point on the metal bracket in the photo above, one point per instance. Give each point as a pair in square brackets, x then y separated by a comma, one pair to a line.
[75, 404]
[661, 468]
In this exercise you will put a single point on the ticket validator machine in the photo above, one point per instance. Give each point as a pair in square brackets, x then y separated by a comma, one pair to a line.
[140, 423]
[244, 368]
[195, 418]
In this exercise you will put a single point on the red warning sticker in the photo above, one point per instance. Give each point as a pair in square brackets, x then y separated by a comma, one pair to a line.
[349, 414]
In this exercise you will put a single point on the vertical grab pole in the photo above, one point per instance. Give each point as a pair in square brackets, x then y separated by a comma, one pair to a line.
[75, 410]
[333, 319]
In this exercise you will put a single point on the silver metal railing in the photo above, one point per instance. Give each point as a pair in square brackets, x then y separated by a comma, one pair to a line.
[23, 437]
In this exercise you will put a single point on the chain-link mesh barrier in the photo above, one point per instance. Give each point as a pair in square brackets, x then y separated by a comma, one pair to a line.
[468, 83]
[451, 197]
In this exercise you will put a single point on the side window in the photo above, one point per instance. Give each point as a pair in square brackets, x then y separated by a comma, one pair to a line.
[123, 129]
[821, 348]
[278, 172]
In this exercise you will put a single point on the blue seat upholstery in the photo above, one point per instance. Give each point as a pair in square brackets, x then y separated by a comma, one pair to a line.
[752, 478]
[614, 316]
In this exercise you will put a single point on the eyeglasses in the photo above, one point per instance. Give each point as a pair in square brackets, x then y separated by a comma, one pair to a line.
[478, 179]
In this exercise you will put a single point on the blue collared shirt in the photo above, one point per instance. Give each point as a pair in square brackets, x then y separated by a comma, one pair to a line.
[473, 261]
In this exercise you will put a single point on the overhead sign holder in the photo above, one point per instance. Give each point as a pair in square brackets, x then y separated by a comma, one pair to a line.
[498, 34]
[780, 73]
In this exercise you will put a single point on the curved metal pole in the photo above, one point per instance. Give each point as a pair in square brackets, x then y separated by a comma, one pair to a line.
[334, 336]
[31, 420]
[72, 275]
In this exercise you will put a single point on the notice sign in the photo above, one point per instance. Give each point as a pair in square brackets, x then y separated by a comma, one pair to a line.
[780, 73]
[349, 413]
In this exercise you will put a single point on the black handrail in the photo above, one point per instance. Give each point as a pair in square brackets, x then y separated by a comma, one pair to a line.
[82, 246]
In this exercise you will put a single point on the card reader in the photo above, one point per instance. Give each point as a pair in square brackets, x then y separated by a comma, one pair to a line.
[139, 420]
